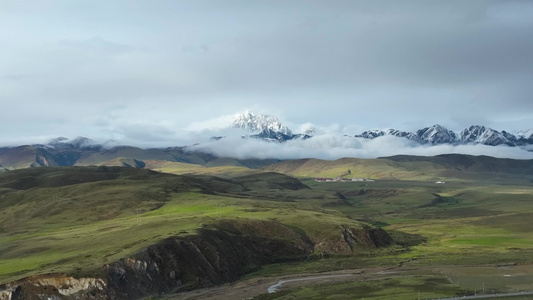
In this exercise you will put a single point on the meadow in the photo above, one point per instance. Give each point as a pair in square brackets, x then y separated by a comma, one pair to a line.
[472, 237]
[78, 228]
[470, 234]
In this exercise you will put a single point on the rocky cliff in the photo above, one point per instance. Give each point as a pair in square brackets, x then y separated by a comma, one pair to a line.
[217, 255]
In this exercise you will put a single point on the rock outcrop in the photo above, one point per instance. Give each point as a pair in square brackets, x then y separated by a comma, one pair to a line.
[54, 287]
[217, 254]
[222, 253]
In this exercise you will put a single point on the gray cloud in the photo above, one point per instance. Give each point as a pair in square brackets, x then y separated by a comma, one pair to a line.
[107, 67]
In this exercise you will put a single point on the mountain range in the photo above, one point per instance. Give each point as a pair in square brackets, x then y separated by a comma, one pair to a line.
[269, 127]
[82, 151]
[85, 152]
[437, 135]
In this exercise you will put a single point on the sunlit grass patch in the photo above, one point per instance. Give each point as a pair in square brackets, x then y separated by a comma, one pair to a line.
[496, 241]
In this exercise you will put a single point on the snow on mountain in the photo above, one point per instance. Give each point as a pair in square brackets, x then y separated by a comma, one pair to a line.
[482, 135]
[268, 127]
[375, 133]
[259, 123]
[525, 134]
[435, 135]
[371, 134]
[272, 135]
[512, 139]
[404, 134]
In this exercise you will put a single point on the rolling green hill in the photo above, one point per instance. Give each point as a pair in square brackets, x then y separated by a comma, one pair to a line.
[75, 220]
[442, 167]
[115, 224]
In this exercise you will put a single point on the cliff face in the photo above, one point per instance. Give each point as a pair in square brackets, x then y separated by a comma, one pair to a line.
[222, 253]
[216, 255]
[213, 257]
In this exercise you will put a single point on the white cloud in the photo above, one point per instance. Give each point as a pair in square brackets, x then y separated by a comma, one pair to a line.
[359, 64]
[305, 127]
[214, 124]
[334, 146]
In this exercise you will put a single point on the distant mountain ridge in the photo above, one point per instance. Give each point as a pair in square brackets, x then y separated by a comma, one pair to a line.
[82, 151]
[438, 135]
[270, 128]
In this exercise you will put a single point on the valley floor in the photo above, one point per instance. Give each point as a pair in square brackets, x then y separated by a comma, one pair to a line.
[253, 287]
[488, 281]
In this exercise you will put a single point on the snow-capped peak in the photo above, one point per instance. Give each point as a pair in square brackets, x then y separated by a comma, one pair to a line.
[526, 134]
[483, 135]
[371, 134]
[436, 134]
[259, 123]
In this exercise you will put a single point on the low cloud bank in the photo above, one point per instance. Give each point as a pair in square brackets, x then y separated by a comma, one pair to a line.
[328, 146]
[332, 147]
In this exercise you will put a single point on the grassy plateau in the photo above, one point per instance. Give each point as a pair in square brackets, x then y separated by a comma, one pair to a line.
[472, 234]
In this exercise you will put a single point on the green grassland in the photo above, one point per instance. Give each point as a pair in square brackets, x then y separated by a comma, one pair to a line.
[77, 228]
[77, 221]
[450, 167]
[483, 222]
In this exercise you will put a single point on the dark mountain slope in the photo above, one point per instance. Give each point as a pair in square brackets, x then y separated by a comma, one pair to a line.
[46, 155]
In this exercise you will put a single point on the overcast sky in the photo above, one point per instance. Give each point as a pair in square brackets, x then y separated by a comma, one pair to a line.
[143, 71]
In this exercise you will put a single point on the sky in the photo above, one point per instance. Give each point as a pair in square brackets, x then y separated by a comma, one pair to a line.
[148, 72]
